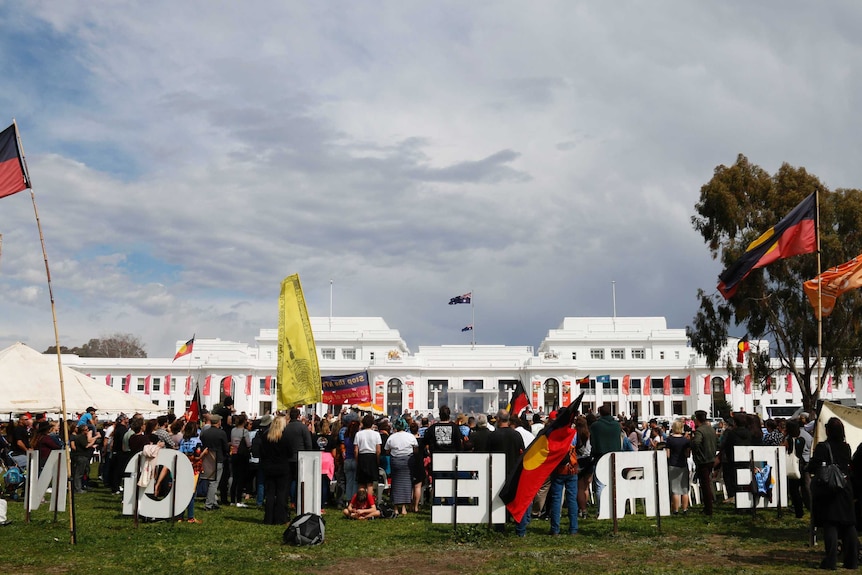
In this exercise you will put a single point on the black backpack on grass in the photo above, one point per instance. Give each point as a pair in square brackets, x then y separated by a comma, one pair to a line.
[305, 529]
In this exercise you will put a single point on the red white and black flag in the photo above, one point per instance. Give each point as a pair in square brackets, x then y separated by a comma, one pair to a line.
[13, 176]
[194, 411]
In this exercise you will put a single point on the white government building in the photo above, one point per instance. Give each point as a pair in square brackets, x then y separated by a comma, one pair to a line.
[628, 350]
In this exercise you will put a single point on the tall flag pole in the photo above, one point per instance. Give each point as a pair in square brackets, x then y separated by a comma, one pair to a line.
[186, 349]
[298, 371]
[467, 298]
[14, 178]
[472, 322]
[819, 298]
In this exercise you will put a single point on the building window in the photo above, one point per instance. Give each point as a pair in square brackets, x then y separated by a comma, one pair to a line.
[575, 355]
[393, 397]
[552, 394]
[638, 354]
[140, 385]
[170, 405]
[348, 353]
[661, 355]
[676, 355]
[505, 387]
[327, 353]
[597, 353]
[438, 389]
[157, 384]
[370, 356]
[618, 353]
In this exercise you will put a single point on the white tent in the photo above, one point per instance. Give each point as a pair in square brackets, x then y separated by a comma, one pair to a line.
[30, 381]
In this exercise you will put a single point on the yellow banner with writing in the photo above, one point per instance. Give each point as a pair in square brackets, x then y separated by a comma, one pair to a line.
[298, 370]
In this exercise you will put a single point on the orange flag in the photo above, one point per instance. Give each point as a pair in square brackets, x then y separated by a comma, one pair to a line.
[835, 281]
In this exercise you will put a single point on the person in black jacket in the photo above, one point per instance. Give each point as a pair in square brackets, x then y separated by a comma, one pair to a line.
[299, 438]
[275, 451]
[831, 510]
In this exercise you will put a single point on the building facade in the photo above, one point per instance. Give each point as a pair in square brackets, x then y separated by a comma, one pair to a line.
[637, 365]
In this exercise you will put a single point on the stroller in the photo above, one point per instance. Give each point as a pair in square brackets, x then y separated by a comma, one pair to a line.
[14, 477]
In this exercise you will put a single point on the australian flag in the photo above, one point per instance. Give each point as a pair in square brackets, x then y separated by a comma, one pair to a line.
[467, 327]
[466, 298]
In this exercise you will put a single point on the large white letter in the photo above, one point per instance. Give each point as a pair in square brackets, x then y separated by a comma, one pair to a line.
[175, 502]
[52, 475]
[480, 477]
[633, 486]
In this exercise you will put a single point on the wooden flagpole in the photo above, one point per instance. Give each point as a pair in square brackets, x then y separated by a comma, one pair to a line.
[69, 480]
[819, 296]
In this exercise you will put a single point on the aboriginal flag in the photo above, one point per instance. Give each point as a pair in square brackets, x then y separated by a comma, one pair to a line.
[742, 348]
[185, 349]
[194, 411]
[539, 460]
[13, 178]
[794, 235]
[519, 401]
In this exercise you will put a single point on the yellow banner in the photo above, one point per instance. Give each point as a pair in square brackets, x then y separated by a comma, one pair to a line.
[298, 371]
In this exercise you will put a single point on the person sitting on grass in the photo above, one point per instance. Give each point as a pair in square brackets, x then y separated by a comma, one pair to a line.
[362, 506]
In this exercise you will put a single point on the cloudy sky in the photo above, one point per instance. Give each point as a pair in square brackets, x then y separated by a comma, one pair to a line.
[187, 156]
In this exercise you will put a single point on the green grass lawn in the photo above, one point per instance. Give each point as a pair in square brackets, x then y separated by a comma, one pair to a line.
[234, 540]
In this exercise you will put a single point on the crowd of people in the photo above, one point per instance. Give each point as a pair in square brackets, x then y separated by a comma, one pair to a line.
[246, 461]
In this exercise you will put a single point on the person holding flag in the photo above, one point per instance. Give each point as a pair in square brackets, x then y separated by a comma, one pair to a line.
[536, 464]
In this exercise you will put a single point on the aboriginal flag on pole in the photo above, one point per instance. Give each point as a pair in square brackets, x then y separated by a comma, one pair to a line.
[13, 176]
[794, 235]
[185, 349]
[298, 371]
[539, 460]
[519, 401]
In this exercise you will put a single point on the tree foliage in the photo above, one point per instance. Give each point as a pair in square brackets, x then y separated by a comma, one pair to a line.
[736, 206]
[116, 345]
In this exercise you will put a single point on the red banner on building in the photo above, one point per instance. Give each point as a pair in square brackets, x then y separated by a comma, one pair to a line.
[666, 385]
[626, 383]
[409, 383]
[379, 386]
[687, 389]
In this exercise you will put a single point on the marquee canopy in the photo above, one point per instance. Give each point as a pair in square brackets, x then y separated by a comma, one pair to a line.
[30, 381]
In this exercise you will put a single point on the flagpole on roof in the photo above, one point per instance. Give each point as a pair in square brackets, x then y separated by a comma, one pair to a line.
[472, 321]
[69, 481]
